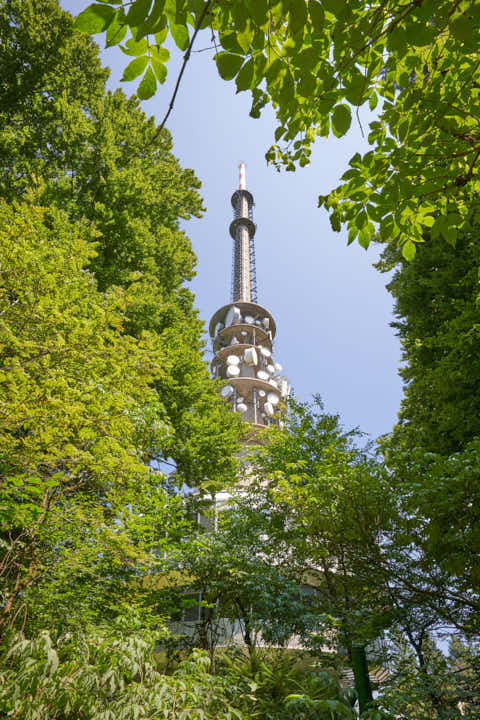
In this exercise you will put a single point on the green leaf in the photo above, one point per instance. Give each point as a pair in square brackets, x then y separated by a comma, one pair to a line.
[161, 36]
[352, 234]
[258, 10]
[419, 34]
[307, 58]
[159, 53]
[135, 68]
[259, 63]
[244, 79]
[364, 239]
[307, 85]
[117, 29]
[179, 34]
[155, 21]
[408, 250]
[228, 64]
[94, 19]
[450, 234]
[462, 29]
[138, 12]
[134, 48]
[245, 37]
[147, 86]
[159, 69]
[230, 43]
[297, 15]
[317, 15]
[341, 120]
[336, 7]
[373, 101]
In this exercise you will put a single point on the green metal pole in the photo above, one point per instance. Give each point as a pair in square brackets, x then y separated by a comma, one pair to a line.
[361, 676]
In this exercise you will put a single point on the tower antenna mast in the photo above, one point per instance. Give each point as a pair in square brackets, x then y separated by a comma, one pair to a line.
[242, 230]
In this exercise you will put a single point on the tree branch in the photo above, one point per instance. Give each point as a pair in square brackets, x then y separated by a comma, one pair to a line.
[186, 58]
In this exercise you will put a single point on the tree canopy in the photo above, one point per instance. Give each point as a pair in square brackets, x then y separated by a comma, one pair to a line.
[316, 63]
[102, 372]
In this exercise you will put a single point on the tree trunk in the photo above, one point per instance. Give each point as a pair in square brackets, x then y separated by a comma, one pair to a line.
[361, 676]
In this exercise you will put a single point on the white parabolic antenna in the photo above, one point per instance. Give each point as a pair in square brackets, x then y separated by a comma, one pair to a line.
[233, 360]
[273, 398]
[233, 371]
[251, 357]
[249, 319]
[262, 375]
[268, 407]
[241, 407]
[226, 391]
[233, 316]
[266, 352]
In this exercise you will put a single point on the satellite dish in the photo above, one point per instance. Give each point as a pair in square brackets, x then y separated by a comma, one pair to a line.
[273, 382]
[233, 371]
[265, 352]
[233, 360]
[251, 357]
[262, 393]
[226, 391]
[271, 369]
[234, 341]
[241, 407]
[233, 316]
[249, 319]
[257, 322]
[244, 333]
[268, 407]
[273, 398]
[239, 399]
[262, 375]
[266, 323]
[278, 367]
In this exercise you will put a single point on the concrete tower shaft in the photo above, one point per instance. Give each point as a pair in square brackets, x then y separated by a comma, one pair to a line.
[242, 230]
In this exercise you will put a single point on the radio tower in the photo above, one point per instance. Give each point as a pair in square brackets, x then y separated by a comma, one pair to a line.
[243, 331]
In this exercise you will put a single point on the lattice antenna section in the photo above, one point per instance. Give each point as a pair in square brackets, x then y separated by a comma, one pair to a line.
[253, 267]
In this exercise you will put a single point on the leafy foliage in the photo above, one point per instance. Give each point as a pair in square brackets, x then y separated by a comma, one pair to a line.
[107, 673]
[309, 480]
[80, 417]
[277, 685]
[110, 166]
[433, 451]
[314, 61]
[102, 369]
[437, 312]
[430, 684]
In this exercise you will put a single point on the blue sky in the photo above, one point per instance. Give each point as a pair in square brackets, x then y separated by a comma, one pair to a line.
[330, 304]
